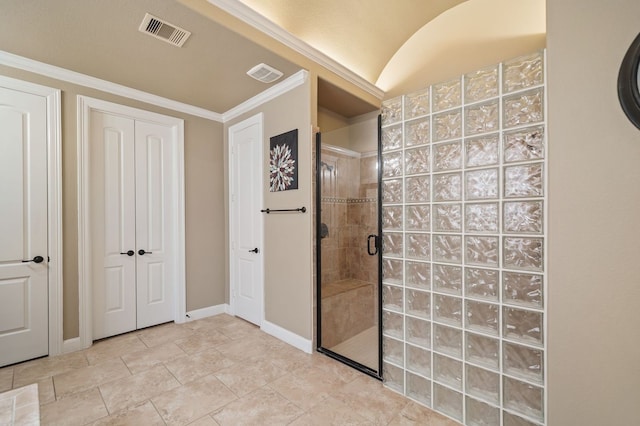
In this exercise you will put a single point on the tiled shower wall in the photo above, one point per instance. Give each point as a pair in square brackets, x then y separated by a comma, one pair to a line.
[463, 244]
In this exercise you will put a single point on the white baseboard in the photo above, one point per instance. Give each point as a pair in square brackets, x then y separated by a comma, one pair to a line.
[71, 345]
[287, 336]
[207, 312]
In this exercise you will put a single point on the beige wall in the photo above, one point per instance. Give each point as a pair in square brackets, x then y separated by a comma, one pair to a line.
[594, 207]
[204, 214]
[288, 237]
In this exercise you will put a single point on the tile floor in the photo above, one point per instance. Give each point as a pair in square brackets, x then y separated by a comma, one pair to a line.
[215, 371]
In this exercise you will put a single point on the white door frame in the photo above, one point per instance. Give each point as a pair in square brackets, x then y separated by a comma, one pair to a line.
[85, 106]
[256, 119]
[54, 204]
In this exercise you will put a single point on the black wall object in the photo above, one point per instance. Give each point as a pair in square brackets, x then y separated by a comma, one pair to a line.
[628, 90]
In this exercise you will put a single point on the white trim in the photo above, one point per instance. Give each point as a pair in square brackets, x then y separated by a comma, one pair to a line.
[209, 311]
[259, 22]
[271, 93]
[340, 150]
[85, 105]
[54, 204]
[71, 345]
[287, 336]
[69, 76]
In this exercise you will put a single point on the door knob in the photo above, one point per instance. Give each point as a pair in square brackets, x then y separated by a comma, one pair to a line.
[141, 252]
[37, 259]
[129, 253]
[255, 250]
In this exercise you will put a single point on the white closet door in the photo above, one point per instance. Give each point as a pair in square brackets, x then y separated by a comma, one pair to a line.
[154, 219]
[113, 224]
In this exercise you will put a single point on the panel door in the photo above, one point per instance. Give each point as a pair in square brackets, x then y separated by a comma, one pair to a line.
[23, 227]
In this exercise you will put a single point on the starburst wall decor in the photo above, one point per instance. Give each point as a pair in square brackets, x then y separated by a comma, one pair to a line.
[283, 162]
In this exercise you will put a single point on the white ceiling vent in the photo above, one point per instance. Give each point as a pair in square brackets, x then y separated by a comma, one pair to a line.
[264, 73]
[163, 30]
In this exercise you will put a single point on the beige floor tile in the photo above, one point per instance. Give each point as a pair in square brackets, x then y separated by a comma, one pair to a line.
[46, 391]
[114, 347]
[187, 403]
[86, 378]
[239, 329]
[210, 323]
[246, 377]
[36, 370]
[205, 421]
[331, 412]
[78, 409]
[144, 414]
[415, 414]
[20, 406]
[131, 391]
[246, 348]
[161, 334]
[202, 340]
[143, 360]
[189, 368]
[6, 379]
[367, 397]
[261, 407]
[289, 358]
[346, 373]
[306, 387]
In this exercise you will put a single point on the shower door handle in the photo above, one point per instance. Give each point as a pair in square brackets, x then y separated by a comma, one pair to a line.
[375, 245]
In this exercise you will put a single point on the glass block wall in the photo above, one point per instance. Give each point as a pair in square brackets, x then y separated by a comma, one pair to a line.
[463, 244]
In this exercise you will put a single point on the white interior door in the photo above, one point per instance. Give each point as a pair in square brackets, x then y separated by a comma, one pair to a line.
[247, 273]
[23, 227]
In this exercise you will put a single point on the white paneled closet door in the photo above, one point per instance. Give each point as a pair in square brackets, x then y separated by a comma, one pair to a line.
[131, 216]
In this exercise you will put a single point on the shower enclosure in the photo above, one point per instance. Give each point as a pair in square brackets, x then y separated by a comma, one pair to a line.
[348, 253]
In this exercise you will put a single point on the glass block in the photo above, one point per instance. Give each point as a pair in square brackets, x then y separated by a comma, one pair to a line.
[419, 389]
[513, 420]
[418, 275]
[393, 377]
[416, 104]
[481, 217]
[448, 340]
[392, 324]
[481, 283]
[447, 248]
[524, 144]
[523, 108]
[391, 110]
[522, 289]
[482, 317]
[447, 94]
[523, 362]
[482, 150]
[525, 326]
[523, 398]
[481, 414]
[418, 246]
[392, 218]
[482, 351]
[447, 125]
[417, 132]
[392, 297]
[392, 271]
[392, 191]
[447, 371]
[419, 332]
[481, 250]
[523, 217]
[482, 184]
[417, 160]
[391, 138]
[481, 84]
[447, 279]
[447, 156]
[523, 253]
[418, 218]
[392, 164]
[448, 217]
[447, 187]
[419, 303]
[523, 181]
[417, 189]
[481, 118]
[392, 244]
[418, 360]
[482, 384]
[448, 309]
[393, 350]
[522, 72]
[448, 401]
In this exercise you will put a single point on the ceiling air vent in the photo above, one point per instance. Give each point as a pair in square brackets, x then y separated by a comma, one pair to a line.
[264, 73]
[163, 30]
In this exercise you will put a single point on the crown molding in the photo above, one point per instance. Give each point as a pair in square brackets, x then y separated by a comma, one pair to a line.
[259, 22]
[69, 76]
